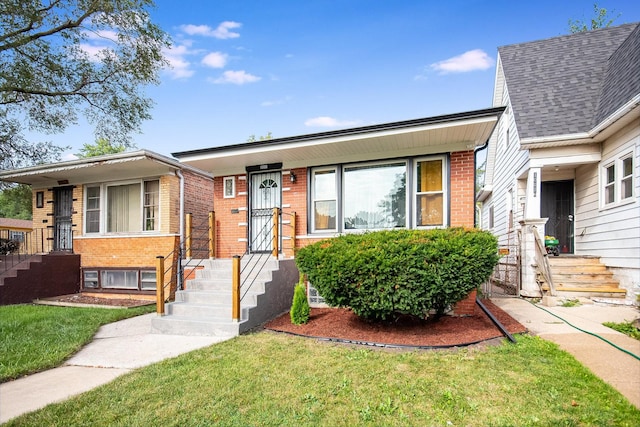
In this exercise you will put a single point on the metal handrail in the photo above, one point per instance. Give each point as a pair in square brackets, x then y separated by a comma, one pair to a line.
[37, 241]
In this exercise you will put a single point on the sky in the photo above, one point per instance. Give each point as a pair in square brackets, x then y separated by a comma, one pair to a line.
[251, 67]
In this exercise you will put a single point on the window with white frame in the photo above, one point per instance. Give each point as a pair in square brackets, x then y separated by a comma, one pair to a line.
[324, 199]
[131, 279]
[374, 196]
[122, 207]
[430, 193]
[229, 184]
[617, 180]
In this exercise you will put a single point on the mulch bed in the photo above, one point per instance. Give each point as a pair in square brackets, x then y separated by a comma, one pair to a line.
[341, 324]
[85, 300]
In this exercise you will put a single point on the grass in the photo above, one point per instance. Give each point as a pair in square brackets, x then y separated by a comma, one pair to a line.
[268, 379]
[38, 337]
[626, 328]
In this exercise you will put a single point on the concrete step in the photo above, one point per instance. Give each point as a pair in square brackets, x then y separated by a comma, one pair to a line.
[209, 312]
[187, 325]
[194, 296]
[223, 285]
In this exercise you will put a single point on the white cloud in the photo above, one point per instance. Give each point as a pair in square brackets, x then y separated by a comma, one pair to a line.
[69, 156]
[472, 60]
[215, 60]
[179, 66]
[235, 77]
[222, 32]
[328, 122]
[276, 102]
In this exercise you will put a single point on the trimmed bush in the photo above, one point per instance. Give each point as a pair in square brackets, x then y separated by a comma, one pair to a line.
[300, 309]
[383, 274]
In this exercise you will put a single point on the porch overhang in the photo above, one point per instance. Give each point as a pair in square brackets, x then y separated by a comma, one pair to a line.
[122, 166]
[441, 134]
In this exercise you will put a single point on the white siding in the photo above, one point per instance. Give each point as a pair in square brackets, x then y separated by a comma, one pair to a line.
[509, 159]
[612, 233]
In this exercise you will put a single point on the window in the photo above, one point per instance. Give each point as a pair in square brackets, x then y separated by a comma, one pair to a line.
[374, 196]
[151, 196]
[130, 279]
[122, 207]
[617, 180]
[229, 187]
[324, 200]
[39, 199]
[610, 184]
[92, 218]
[430, 193]
[626, 184]
[380, 195]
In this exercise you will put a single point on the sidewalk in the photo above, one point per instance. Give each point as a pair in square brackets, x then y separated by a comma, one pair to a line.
[117, 349]
[613, 366]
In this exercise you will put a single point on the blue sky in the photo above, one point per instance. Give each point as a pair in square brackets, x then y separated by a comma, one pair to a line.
[243, 68]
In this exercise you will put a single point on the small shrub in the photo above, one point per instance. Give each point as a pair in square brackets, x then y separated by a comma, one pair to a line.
[626, 328]
[383, 274]
[300, 309]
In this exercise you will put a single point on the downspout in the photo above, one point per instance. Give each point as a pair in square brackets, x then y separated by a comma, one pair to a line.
[181, 238]
[475, 193]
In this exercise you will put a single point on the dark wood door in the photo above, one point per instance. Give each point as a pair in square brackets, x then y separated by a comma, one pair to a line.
[557, 205]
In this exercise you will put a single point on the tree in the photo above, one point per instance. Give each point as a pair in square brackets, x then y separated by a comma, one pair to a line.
[252, 138]
[601, 19]
[101, 146]
[15, 202]
[63, 58]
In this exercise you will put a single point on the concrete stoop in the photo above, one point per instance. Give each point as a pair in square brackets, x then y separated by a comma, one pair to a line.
[204, 306]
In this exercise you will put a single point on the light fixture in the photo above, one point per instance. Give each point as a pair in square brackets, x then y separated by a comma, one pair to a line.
[292, 177]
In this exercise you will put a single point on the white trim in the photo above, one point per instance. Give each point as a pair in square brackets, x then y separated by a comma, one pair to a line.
[232, 193]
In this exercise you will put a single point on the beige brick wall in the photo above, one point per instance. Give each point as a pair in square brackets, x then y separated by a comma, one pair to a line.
[139, 252]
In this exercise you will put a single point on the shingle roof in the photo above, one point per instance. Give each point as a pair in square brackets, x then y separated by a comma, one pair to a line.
[566, 85]
[12, 223]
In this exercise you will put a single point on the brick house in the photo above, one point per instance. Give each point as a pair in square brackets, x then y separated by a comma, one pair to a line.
[410, 174]
[118, 212]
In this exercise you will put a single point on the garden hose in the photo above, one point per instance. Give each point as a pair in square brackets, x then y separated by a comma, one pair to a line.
[587, 332]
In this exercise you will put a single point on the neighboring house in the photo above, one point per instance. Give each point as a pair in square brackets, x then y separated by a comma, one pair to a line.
[410, 174]
[118, 212]
[565, 156]
[15, 230]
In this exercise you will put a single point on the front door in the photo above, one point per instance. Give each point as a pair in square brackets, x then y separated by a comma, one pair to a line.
[62, 211]
[266, 194]
[557, 205]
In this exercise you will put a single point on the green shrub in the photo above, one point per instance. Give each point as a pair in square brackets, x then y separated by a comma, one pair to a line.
[300, 306]
[383, 274]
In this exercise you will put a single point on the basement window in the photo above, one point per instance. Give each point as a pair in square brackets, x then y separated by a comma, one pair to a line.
[123, 279]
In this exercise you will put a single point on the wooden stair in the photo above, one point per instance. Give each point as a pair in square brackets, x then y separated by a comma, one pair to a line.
[583, 276]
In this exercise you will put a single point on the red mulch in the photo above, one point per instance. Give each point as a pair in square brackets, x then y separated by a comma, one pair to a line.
[341, 323]
[81, 299]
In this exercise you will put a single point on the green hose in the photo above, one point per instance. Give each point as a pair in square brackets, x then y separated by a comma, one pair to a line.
[587, 332]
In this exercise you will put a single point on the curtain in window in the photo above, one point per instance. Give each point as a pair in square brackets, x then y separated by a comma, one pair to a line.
[430, 195]
[123, 208]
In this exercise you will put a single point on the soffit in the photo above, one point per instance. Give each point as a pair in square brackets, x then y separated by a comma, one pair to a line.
[426, 139]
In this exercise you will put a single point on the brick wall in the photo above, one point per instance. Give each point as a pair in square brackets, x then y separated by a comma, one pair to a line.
[462, 189]
[231, 217]
[198, 192]
[169, 204]
[139, 252]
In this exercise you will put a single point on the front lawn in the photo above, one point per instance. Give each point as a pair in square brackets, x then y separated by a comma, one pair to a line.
[268, 379]
[38, 337]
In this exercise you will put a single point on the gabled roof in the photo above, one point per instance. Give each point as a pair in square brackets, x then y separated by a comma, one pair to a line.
[439, 134]
[110, 167]
[570, 84]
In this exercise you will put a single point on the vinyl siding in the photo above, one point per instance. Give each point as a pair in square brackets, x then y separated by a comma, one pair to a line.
[611, 233]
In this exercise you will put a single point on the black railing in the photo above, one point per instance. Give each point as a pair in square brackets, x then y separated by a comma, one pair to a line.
[17, 247]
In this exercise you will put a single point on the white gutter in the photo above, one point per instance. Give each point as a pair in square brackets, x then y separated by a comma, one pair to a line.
[179, 175]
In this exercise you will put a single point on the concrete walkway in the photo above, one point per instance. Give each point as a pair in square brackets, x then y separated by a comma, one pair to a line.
[615, 367]
[117, 349]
